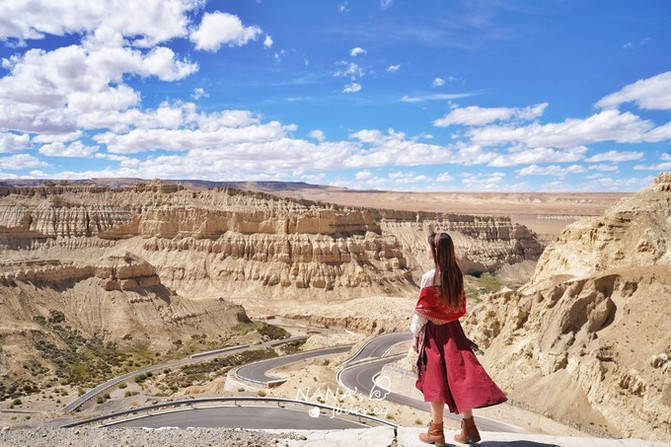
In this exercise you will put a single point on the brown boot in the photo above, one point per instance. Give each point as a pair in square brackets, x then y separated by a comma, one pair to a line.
[434, 435]
[469, 432]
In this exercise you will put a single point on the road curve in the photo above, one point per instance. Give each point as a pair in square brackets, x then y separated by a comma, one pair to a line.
[359, 377]
[378, 346]
[241, 417]
[191, 359]
[256, 372]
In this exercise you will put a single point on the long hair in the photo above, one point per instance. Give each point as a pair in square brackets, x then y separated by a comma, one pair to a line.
[451, 279]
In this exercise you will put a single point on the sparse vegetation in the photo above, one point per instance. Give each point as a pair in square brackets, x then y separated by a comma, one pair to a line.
[263, 328]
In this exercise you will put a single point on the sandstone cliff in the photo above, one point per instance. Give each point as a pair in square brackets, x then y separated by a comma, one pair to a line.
[590, 331]
[223, 240]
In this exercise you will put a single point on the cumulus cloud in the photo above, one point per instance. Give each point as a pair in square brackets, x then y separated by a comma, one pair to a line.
[438, 82]
[352, 88]
[615, 156]
[219, 28]
[444, 177]
[552, 170]
[62, 90]
[75, 149]
[483, 181]
[535, 155]
[349, 70]
[21, 161]
[12, 142]
[393, 68]
[146, 22]
[268, 41]
[608, 125]
[653, 93]
[356, 51]
[317, 135]
[198, 93]
[477, 116]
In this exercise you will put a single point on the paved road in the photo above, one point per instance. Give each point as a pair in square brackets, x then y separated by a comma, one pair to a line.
[199, 357]
[256, 371]
[360, 377]
[242, 417]
[378, 346]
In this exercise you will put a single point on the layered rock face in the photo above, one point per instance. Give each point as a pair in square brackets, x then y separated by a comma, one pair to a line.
[116, 299]
[590, 331]
[482, 243]
[231, 241]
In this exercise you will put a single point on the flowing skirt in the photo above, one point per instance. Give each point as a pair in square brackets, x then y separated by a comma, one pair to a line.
[449, 372]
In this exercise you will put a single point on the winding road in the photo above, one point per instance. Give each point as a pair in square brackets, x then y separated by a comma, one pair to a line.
[256, 371]
[199, 357]
[240, 417]
[358, 374]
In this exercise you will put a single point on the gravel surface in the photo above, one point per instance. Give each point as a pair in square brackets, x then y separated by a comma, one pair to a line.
[141, 437]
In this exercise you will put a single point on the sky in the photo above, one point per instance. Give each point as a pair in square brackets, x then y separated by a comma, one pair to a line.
[555, 95]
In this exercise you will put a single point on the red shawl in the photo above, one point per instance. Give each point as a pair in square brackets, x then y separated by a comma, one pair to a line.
[430, 305]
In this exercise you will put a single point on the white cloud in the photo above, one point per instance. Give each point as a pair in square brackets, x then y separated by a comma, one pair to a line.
[615, 156]
[553, 170]
[343, 7]
[71, 87]
[317, 135]
[535, 155]
[444, 177]
[663, 166]
[356, 51]
[76, 149]
[476, 116]
[363, 175]
[436, 97]
[21, 161]
[12, 142]
[438, 82]
[198, 93]
[218, 28]
[268, 41]
[393, 68]
[482, 181]
[385, 4]
[147, 22]
[352, 88]
[201, 138]
[653, 93]
[349, 70]
[608, 125]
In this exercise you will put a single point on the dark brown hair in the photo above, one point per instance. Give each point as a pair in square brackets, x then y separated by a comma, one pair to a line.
[451, 279]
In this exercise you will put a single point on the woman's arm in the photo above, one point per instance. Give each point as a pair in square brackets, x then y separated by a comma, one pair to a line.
[418, 321]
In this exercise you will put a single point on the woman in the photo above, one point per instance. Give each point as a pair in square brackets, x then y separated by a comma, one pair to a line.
[448, 371]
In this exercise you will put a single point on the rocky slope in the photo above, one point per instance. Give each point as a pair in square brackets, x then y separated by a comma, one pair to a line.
[590, 331]
[72, 322]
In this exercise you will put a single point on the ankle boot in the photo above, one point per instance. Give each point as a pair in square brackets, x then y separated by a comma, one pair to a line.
[469, 432]
[434, 435]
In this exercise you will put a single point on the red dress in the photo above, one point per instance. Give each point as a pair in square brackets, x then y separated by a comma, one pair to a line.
[448, 370]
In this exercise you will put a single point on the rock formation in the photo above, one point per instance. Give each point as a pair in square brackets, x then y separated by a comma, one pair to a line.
[590, 331]
[235, 241]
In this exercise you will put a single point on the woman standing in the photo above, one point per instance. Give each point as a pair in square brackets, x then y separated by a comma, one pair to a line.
[448, 371]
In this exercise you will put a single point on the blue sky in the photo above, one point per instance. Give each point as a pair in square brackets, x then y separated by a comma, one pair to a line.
[433, 95]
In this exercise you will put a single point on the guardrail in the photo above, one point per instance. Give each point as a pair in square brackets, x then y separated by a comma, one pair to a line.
[81, 400]
[271, 383]
[235, 400]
